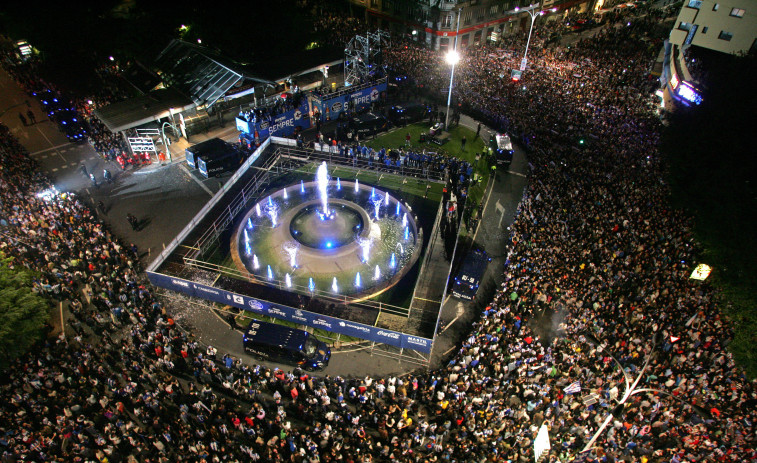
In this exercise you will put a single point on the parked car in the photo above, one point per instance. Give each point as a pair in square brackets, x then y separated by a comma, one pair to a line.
[283, 344]
[466, 283]
[501, 147]
[368, 123]
[408, 113]
[72, 125]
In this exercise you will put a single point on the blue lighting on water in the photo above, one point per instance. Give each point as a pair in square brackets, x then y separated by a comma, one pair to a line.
[358, 283]
[373, 192]
[270, 272]
[311, 285]
[407, 233]
[249, 222]
[286, 195]
[392, 261]
[329, 244]
[397, 213]
[338, 184]
[302, 187]
[270, 202]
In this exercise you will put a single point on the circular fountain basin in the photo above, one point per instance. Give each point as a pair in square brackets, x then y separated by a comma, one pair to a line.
[312, 228]
[327, 247]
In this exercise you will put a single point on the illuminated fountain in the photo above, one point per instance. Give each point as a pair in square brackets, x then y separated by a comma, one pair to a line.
[291, 248]
[322, 178]
[327, 235]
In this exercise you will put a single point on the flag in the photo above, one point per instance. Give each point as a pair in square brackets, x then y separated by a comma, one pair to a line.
[573, 388]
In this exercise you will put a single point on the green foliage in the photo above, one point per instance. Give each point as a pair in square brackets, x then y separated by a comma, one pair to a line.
[23, 313]
[713, 174]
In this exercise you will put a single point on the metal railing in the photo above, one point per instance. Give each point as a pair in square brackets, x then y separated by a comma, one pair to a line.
[330, 155]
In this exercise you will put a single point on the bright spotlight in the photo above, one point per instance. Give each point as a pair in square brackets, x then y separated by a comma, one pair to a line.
[452, 57]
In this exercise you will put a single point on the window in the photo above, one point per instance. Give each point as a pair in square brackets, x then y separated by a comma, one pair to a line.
[467, 17]
[480, 15]
[704, 29]
[447, 20]
[715, 7]
[695, 4]
[737, 12]
[684, 26]
[727, 36]
[374, 3]
[493, 10]
[690, 35]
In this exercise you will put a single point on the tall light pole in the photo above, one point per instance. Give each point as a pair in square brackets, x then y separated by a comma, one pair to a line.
[531, 10]
[452, 57]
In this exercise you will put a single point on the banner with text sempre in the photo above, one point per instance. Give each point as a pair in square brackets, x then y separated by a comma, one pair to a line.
[282, 125]
[303, 317]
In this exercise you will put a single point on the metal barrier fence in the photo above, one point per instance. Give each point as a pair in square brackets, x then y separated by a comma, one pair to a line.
[331, 155]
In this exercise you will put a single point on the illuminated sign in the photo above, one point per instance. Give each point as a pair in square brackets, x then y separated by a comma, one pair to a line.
[701, 272]
[674, 81]
[688, 93]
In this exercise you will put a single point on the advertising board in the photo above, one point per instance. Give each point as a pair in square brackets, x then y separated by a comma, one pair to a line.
[302, 317]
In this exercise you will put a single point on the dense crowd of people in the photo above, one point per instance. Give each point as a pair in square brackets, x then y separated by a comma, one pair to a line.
[595, 246]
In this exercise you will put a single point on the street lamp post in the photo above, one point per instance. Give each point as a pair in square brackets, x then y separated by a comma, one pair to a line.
[531, 10]
[452, 58]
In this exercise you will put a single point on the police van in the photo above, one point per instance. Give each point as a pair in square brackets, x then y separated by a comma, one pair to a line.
[408, 113]
[465, 285]
[501, 148]
[282, 344]
[217, 166]
[368, 123]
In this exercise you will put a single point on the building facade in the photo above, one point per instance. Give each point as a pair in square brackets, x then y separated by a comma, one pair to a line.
[728, 26]
[434, 22]
[725, 26]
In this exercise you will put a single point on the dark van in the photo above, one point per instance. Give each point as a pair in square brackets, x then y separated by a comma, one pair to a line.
[501, 148]
[213, 148]
[468, 279]
[368, 123]
[282, 344]
[408, 113]
[214, 167]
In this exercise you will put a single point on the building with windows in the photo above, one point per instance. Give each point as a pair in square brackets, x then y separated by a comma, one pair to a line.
[705, 26]
[728, 26]
[434, 22]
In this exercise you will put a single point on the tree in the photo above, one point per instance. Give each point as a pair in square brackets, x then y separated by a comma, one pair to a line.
[23, 313]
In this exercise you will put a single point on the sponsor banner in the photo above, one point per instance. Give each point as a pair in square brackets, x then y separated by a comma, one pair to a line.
[356, 101]
[335, 106]
[243, 125]
[363, 99]
[302, 317]
[283, 124]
